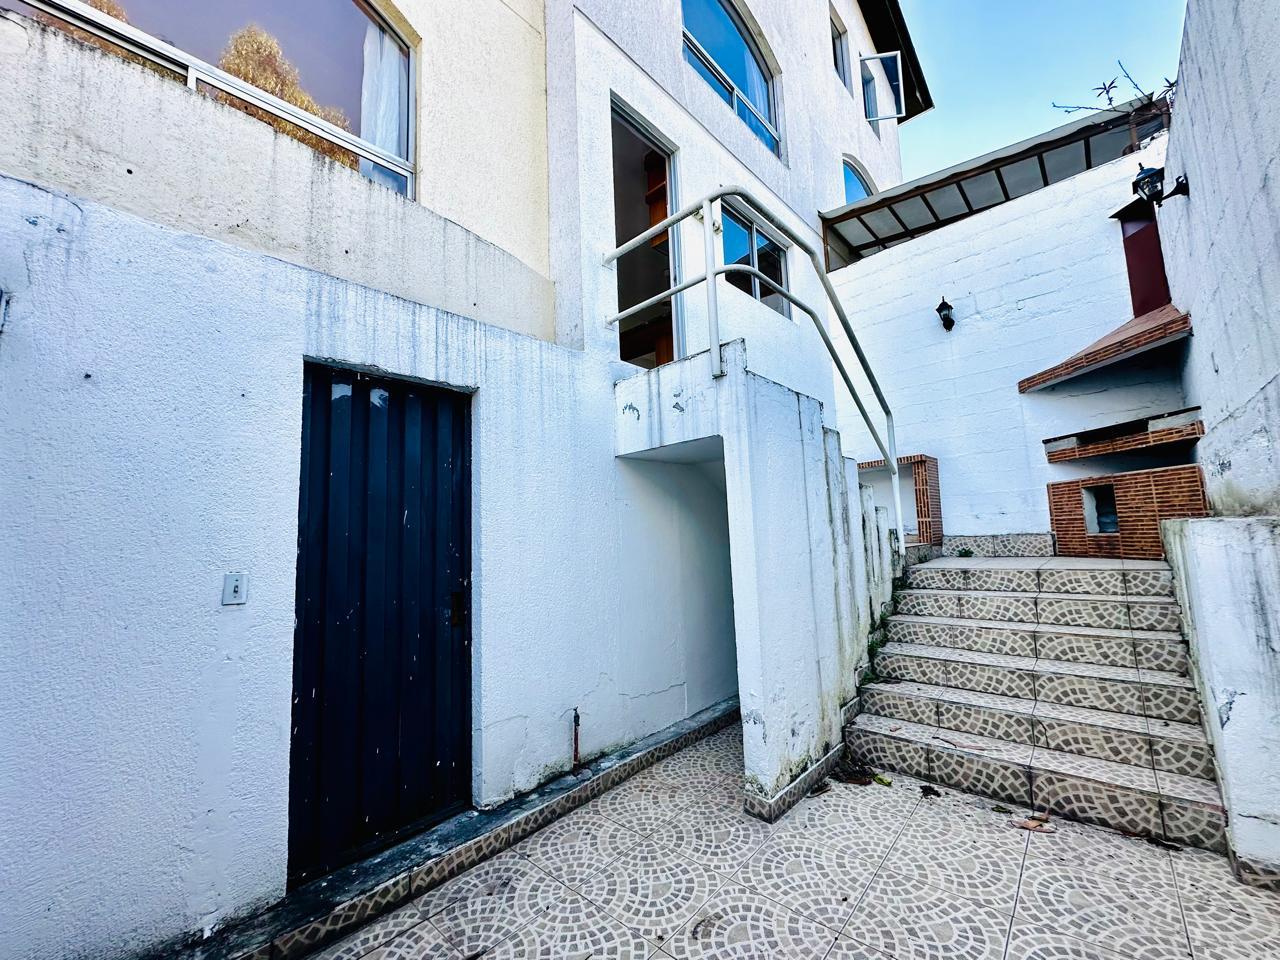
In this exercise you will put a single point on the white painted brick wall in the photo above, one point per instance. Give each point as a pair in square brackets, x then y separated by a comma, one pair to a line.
[1222, 244]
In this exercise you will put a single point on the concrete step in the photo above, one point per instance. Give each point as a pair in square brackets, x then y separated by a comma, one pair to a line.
[1126, 797]
[1161, 745]
[1064, 609]
[1149, 649]
[1139, 578]
[1142, 692]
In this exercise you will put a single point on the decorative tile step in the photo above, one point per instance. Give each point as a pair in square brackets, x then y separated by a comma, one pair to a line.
[1151, 693]
[1119, 578]
[1151, 649]
[1121, 796]
[1064, 609]
[1160, 745]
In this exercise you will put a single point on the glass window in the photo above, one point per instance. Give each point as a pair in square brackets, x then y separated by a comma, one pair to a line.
[747, 244]
[855, 187]
[718, 46]
[840, 52]
[334, 59]
[882, 84]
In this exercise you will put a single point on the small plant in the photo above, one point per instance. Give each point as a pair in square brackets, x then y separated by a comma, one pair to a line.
[964, 552]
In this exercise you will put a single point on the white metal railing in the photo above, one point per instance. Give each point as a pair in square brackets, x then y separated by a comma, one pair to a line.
[708, 206]
[196, 71]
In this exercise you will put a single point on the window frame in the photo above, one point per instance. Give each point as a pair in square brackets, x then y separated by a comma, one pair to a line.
[196, 72]
[840, 51]
[756, 229]
[736, 95]
[900, 101]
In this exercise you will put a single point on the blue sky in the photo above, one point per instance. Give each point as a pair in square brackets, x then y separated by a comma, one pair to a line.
[994, 66]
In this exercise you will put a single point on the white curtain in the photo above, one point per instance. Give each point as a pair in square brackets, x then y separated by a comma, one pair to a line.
[383, 92]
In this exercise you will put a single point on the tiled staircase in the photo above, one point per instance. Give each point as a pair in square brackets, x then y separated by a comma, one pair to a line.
[1059, 684]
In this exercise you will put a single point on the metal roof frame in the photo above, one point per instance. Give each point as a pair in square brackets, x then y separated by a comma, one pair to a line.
[929, 203]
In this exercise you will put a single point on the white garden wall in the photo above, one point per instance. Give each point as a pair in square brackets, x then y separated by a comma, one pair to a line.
[1032, 282]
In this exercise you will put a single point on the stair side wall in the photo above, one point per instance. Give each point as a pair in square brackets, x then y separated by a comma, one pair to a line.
[1227, 577]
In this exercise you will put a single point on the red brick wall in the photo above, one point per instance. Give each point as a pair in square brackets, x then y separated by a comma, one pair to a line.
[928, 501]
[1134, 441]
[1143, 499]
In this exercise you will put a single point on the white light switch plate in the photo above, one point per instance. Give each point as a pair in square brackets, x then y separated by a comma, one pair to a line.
[235, 588]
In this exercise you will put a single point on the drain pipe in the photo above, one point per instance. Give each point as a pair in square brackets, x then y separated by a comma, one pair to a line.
[577, 722]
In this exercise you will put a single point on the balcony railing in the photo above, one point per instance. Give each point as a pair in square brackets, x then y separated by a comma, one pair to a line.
[709, 206]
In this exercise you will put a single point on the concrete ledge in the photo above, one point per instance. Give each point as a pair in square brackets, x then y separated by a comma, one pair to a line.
[786, 798]
[321, 912]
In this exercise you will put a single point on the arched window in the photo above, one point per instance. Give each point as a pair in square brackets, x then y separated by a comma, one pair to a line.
[855, 184]
[719, 46]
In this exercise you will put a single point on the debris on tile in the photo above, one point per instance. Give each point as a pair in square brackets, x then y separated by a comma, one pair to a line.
[1036, 823]
[819, 788]
[929, 791]
[849, 771]
[999, 808]
[881, 779]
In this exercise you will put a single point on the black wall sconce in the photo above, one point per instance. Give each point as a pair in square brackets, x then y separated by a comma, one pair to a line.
[1149, 185]
[946, 313]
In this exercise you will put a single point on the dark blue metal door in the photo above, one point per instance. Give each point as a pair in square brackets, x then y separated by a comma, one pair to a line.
[381, 742]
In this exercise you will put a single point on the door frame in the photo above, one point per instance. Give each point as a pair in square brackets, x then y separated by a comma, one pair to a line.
[621, 110]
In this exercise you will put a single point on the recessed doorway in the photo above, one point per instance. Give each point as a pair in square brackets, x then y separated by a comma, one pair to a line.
[641, 199]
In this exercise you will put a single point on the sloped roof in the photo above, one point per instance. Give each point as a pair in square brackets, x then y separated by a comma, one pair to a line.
[1162, 325]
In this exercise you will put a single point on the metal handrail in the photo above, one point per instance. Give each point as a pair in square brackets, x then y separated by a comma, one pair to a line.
[195, 70]
[706, 205]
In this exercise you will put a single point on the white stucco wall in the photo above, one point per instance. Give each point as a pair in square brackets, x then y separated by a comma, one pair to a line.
[147, 727]
[85, 121]
[1227, 574]
[675, 617]
[1032, 282]
[1222, 244]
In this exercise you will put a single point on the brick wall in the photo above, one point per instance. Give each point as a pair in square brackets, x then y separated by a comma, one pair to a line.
[924, 475]
[1143, 499]
[1185, 433]
[928, 501]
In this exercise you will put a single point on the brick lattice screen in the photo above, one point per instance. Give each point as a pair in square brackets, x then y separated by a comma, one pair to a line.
[1143, 499]
[924, 474]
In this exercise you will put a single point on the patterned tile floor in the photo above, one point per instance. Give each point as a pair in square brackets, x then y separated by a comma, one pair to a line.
[667, 866]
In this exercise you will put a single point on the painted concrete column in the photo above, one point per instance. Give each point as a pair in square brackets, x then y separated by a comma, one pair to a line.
[793, 670]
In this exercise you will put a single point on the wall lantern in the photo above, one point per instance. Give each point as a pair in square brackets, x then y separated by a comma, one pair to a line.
[947, 313]
[1149, 185]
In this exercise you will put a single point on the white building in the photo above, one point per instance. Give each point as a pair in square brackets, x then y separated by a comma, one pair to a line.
[365, 507]
[336, 507]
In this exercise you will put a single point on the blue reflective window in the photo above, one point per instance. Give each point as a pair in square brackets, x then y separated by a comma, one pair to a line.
[746, 244]
[718, 47]
[855, 187]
